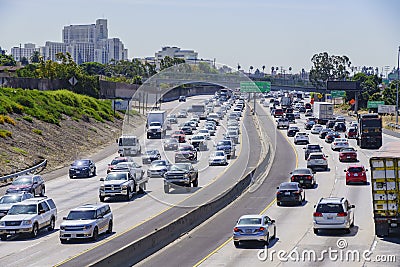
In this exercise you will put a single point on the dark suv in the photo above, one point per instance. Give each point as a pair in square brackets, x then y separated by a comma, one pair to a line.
[82, 168]
[311, 148]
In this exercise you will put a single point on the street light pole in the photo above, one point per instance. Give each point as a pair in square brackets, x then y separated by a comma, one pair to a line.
[397, 87]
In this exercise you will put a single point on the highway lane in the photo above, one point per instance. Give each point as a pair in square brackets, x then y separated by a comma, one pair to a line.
[294, 224]
[71, 193]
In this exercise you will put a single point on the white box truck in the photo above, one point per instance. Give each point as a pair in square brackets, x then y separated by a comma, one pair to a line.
[156, 124]
[128, 145]
[323, 111]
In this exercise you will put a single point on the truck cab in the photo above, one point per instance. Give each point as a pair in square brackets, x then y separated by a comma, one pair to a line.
[128, 145]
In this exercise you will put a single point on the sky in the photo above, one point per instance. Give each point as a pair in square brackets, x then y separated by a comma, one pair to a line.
[285, 33]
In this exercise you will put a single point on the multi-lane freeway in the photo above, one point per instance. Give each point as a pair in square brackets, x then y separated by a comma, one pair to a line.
[212, 245]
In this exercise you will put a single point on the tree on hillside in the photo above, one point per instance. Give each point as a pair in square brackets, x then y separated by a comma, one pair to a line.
[169, 62]
[35, 58]
[369, 89]
[326, 67]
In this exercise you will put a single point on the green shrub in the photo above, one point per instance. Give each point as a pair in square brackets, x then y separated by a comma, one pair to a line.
[37, 131]
[19, 150]
[28, 118]
[5, 133]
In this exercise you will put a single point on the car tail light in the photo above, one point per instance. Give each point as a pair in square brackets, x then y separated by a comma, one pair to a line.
[236, 229]
[261, 229]
[309, 177]
[323, 157]
[317, 214]
[292, 178]
[278, 192]
[342, 214]
[335, 144]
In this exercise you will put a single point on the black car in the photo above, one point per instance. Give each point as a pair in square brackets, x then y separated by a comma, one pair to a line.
[311, 148]
[290, 117]
[302, 109]
[33, 184]
[187, 130]
[181, 174]
[292, 130]
[290, 192]
[330, 124]
[339, 127]
[82, 168]
[182, 98]
[331, 136]
[309, 124]
[171, 144]
[151, 155]
[303, 176]
[324, 132]
[185, 152]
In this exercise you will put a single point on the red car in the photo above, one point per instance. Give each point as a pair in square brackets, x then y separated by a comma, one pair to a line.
[278, 112]
[356, 174]
[348, 154]
[351, 133]
[179, 135]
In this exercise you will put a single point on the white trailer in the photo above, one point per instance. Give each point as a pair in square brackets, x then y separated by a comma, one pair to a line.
[323, 111]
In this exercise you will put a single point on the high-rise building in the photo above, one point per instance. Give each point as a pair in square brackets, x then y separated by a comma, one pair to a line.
[23, 52]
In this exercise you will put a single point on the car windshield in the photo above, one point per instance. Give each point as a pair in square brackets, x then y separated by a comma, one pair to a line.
[246, 221]
[185, 148]
[203, 131]
[355, 169]
[198, 137]
[151, 152]
[316, 156]
[23, 181]
[22, 209]
[349, 149]
[219, 153]
[329, 208]
[116, 161]
[155, 123]
[159, 163]
[127, 141]
[301, 171]
[126, 165]
[224, 143]
[179, 167]
[81, 215]
[314, 147]
[171, 141]
[10, 199]
[116, 176]
[81, 163]
[288, 186]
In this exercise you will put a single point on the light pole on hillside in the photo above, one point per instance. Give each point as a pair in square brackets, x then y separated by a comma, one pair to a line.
[397, 87]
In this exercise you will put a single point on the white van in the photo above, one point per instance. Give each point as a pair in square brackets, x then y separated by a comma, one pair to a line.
[128, 145]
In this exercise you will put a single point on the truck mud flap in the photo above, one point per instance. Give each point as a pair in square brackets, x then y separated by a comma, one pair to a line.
[381, 228]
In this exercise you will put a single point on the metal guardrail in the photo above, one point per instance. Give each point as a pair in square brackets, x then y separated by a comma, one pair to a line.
[10, 177]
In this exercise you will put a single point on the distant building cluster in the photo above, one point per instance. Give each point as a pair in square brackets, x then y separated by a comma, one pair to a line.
[85, 43]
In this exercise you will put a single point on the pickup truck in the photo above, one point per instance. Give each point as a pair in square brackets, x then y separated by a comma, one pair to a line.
[282, 123]
[122, 182]
[181, 174]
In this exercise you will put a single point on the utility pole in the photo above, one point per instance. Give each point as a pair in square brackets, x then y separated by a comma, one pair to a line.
[397, 87]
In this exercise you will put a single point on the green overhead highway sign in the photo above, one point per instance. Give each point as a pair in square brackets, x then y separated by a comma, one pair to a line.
[336, 94]
[255, 87]
[375, 104]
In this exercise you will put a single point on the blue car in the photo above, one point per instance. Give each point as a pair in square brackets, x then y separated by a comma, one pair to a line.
[82, 168]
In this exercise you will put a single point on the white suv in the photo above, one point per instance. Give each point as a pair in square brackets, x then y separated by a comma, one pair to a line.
[333, 213]
[301, 138]
[87, 221]
[28, 217]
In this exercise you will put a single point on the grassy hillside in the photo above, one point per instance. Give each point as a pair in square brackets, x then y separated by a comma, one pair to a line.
[50, 106]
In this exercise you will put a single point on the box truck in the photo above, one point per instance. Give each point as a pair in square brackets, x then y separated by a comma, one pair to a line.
[323, 111]
[156, 124]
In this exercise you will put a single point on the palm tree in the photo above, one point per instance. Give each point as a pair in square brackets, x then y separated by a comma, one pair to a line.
[290, 70]
[272, 70]
[263, 68]
[35, 58]
[238, 67]
[251, 68]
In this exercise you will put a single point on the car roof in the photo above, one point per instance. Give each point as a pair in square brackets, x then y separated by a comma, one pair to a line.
[355, 166]
[288, 183]
[327, 200]
[34, 200]
[90, 206]
[257, 216]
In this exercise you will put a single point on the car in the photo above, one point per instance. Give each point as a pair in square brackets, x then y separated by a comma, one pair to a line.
[354, 124]
[311, 148]
[233, 123]
[8, 200]
[117, 160]
[179, 135]
[33, 184]
[282, 123]
[87, 222]
[181, 174]
[290, 117]
[121, 184]
[170, 144]
[233, 116]
[331, 136]
[182, 113]
[302, 109]
[135, 169]
[324, 132]
[308, 113]
[301, 138]
[308, 105]
[316, 129]
[333, 213]
[199, 142]
[339, 127]
[205, 133]
[317, 160]
[187, 130]
[173, 119]
[292, 130]
[278, 112]
[151, 155]
[158, 168]
[348, 154]
[227, 146]
[330, 124]
[303, 176]
[296, 114]
[340, 119]
[351, 132]
[210, 128]
[185, 152]
[234, 128]
[217, 158]
[29, 217]
[82, 168]
[182, 98]
[356, 174]
[254, 228]
[290, 192]
[339, 143]
[232, 135]
[309, 124]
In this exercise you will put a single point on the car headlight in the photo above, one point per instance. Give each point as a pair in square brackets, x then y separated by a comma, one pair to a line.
[26, 222]
[2, 223]
[124, 187]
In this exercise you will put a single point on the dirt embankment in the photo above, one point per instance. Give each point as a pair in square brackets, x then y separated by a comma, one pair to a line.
[60, 145]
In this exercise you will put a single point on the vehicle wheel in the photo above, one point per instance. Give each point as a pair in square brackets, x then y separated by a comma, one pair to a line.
[63, 241]
[266, 242]
[278, 203]
[101, 198]
[52, 225]
[274, 236]
[236, 243]
[326, 168]
[3, 237]
[196, 182]
[166, 188]
[94, 171]
[352, 223]
[141, 189]
[315, 231]
[110, 227]
[35, 230]
[33, 192]
[42, 191]
[347, 231]
[128, 194]
[229, 157]
[95, 234]
[71, 177]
